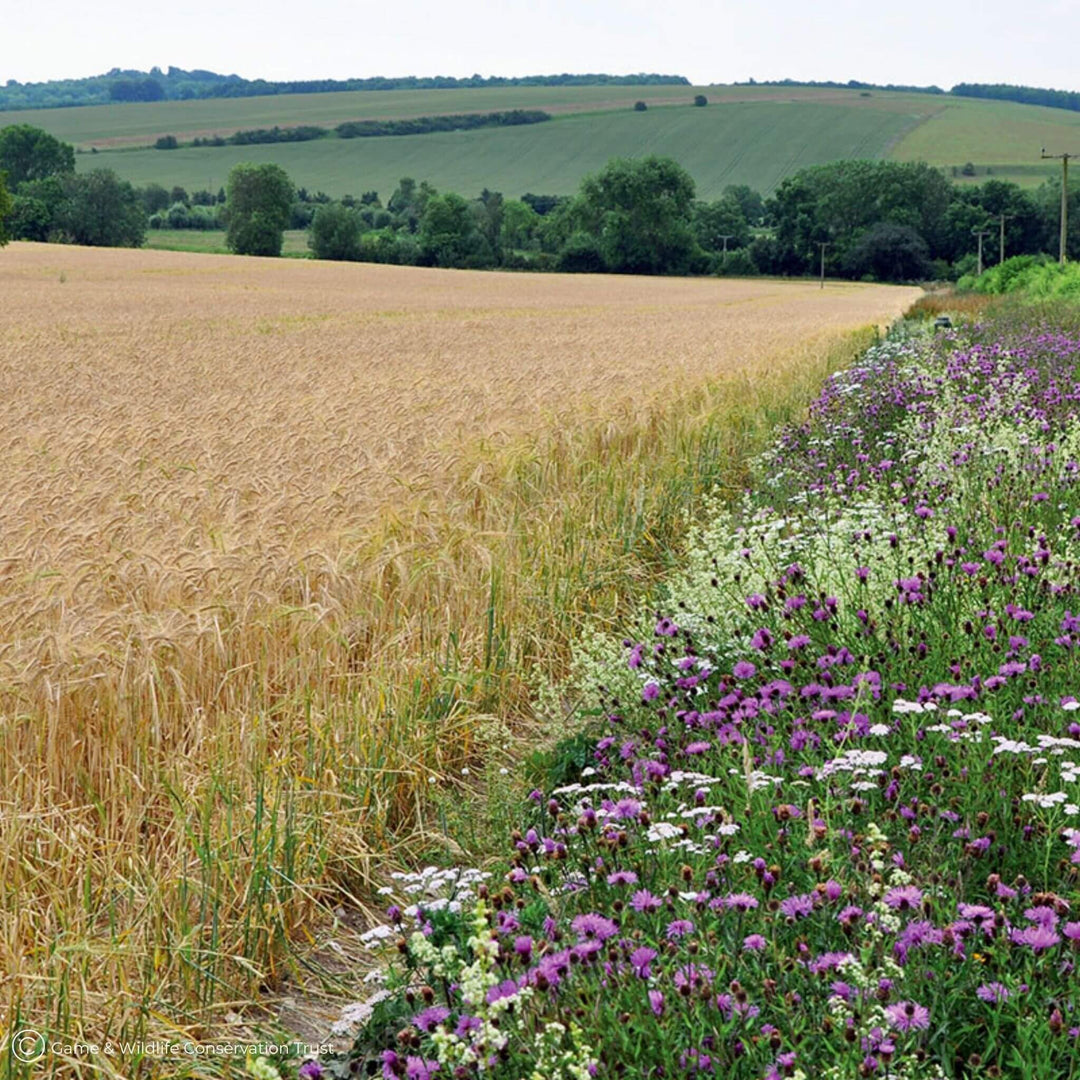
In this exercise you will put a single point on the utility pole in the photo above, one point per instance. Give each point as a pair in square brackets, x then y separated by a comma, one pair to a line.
[726, 239]
[1001, 244]
[823, 244]
[1064, 159]
[980, 233]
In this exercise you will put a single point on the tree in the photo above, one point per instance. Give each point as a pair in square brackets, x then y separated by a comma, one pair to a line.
[449, 235]
[840, 201]
[889, 252]
[155, 198]
[6, 206]
[640, 211]
[258, 204]
[750, 202]
[101, 210]
[700, 100]
[713, 221]
[28, 153]
[335, 233]
[519, 222]
[489, 217]
[640, 106]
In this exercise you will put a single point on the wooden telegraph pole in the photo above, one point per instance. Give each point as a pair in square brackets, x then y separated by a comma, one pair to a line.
[980, 233]
[1064, 159]
[823, 244]
[1001, 240]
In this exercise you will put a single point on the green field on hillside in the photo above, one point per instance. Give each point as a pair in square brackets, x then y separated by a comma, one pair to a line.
[747, 134]
[750, 143]
[999, 136]
[106, 126]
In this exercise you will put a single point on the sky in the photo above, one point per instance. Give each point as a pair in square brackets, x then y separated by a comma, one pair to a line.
[914, 42]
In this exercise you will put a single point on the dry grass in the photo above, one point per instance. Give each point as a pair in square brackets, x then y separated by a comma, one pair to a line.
[276, 538]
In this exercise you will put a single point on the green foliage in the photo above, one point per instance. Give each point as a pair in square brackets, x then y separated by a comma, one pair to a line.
[700, 100]
[258, 203]
[839, 202]
[154, 198]
[166, 142]
[101, 210]
[28, 153]
[1032, 276]
[750, 202]
[581, 254]
[640, 106]
[724, 217]
[426, 125]
[640, 211]
[519, 224]
[449, 235]
[736, 264]
[335, 233]
[889, 252]
[6, 207]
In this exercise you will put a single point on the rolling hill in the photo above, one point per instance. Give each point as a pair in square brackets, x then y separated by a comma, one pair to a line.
[755, 135]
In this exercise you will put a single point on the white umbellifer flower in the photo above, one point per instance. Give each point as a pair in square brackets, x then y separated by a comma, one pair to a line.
[1071, 706]
[370, 938]
[662, 830]
[880, 729]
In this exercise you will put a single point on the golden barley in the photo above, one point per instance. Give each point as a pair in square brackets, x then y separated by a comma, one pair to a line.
[274, 534]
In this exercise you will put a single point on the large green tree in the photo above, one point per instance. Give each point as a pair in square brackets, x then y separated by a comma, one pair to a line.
[258, 203]
[101, 210]
[640, 211]
[28, 153]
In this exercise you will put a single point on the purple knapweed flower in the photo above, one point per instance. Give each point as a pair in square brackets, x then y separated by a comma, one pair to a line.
[904, 898]
[640, 959]
[797, 907]
[593, 927]
[678, 928]
[905, 1015]
[992, 993]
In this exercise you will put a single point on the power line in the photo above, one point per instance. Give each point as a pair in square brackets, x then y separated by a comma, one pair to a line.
[1064, 159]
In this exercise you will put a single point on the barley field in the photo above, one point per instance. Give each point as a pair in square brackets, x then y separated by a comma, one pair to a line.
[285, 546]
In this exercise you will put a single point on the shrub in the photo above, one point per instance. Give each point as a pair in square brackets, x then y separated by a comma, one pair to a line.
[166, 142]
[581, 255]
[736, 263]
[640, 106]
[700, 100]
[335, 233]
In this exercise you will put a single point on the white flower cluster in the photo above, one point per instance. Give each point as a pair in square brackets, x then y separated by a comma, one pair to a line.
[356, 1015]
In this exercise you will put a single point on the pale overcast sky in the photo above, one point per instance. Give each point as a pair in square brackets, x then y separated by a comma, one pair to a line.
[916, 41]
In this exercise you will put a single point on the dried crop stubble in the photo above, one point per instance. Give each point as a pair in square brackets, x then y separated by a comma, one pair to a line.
[274, 534]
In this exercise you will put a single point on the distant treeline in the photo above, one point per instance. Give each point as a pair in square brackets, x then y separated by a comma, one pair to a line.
[1025, 95]
[176, 84]
[851, 84]
[365, 129]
